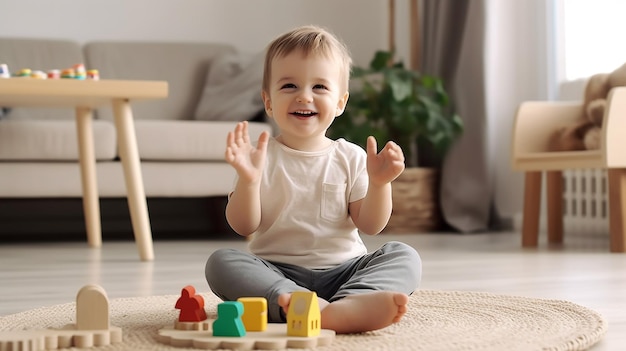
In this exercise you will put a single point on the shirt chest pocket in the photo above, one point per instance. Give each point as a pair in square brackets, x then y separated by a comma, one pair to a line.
[334, 205]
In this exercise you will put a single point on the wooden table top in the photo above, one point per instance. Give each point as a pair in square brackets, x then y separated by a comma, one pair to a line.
[76, 93]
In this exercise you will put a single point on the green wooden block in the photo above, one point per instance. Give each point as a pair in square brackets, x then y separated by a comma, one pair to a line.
[228, 322]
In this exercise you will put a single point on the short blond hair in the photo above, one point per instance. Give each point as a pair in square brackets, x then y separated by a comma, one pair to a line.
[310, 40]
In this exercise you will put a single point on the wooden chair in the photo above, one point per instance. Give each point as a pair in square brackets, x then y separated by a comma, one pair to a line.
[534, 122]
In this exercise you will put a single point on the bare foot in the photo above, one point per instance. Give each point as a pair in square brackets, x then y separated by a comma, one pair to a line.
[359, 313]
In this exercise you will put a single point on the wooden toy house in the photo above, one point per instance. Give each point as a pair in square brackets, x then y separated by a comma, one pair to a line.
[304, 316]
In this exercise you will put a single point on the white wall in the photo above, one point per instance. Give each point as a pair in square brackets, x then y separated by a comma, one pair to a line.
[518, 58]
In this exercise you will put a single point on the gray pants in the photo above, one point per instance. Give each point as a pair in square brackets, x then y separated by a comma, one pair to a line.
[232, 274]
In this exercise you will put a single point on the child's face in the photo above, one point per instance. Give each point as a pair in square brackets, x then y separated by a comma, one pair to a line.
[304, 97]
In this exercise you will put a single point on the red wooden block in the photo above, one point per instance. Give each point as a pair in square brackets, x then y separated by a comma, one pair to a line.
[191, 306]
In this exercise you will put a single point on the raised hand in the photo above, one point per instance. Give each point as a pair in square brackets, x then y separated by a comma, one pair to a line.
[385, 166]
[247, 159]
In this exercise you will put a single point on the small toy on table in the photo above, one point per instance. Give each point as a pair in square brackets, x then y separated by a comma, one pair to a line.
[80, 72]
[93, 74]
[4, 71]
[38, 74]
[77, 71]
[54, 74]
[68, 73]
[24, 72]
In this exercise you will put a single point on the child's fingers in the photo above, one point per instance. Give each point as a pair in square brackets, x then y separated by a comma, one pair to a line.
[230, 138]
[371, 145]
[239, 134]
[394, 151]
[245, 135]
[229, 155]
[391, 145]
[263, 141]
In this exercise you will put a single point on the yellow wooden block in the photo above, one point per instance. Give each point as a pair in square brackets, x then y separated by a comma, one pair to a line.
[304, 316]
[254, 313]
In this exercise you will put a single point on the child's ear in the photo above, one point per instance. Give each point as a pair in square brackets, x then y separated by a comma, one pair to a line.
[341, 104]
[267, 103]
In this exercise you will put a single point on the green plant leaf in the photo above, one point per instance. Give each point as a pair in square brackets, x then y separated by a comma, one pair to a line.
[391, 102]
[401, 87]
[381, 60]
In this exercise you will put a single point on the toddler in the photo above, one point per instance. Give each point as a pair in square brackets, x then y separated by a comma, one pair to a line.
[305, 198]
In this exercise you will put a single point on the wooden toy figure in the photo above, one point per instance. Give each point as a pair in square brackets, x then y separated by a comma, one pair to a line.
[228, 322]
[304, 316]
[191, 306]
[254, 313]
[92, 308]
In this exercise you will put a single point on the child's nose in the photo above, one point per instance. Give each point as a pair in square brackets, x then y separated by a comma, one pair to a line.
[304, 98]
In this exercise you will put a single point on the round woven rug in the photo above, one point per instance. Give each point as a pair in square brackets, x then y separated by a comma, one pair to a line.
[436, 320]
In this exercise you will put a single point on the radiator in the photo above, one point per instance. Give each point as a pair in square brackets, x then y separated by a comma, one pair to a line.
[585, 202]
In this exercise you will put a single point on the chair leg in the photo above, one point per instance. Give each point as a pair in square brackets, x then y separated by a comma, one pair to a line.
[554, 199]
[617, 209]
[532, 205]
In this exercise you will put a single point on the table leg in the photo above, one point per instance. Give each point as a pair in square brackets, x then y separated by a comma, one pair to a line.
[127, 143]
[86, 155]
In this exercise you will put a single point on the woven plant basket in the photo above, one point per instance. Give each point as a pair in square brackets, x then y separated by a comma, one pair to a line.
[415, 202]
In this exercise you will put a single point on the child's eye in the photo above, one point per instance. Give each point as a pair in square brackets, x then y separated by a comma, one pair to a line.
[320, 86]
[288, 86]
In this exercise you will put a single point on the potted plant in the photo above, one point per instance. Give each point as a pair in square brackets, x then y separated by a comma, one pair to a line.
[392, 102]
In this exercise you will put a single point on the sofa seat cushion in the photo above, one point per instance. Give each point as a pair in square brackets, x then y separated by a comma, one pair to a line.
[159, 140]
[161, 179]
[52, 140]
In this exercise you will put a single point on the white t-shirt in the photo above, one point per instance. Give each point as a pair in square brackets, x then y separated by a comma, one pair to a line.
[304, 205]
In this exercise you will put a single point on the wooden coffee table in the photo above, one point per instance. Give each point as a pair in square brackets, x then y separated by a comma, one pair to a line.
[84, 96]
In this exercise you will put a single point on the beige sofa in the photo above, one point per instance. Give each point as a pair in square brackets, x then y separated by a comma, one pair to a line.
[181, 139]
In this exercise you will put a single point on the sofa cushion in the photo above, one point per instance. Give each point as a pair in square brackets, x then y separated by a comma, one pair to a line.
[187, 140]
[161, 179]
[183, 65]
[44, 55]
[25, 140]
[232, 91]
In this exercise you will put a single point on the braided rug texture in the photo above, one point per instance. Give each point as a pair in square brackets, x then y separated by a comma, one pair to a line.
[436, 320]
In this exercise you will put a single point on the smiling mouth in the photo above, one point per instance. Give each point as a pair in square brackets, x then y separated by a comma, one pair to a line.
[304, 114]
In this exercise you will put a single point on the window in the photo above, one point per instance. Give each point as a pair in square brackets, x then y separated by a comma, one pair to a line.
[593, 34]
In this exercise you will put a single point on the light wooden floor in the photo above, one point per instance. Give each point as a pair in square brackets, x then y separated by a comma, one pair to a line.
[583, 271]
